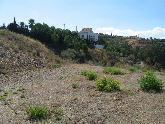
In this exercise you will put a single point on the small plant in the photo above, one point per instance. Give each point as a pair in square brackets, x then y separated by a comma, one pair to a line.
[74, 85]
[60, 77]
[9, 99]
[148, 69]
[22, 96]
[107, 84]
[58, 112]
[37, 111]
[12, 87]
[55, 65]
[150, 82]
[91, 75]
[2, 90]
[5, 92]
[21, 89]
[58, 118]
[113, 70]
[132, 69]
[15, 92]
[6, 103]
[1, 97]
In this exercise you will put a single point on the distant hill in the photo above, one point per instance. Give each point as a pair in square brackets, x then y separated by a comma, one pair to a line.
[18, 52]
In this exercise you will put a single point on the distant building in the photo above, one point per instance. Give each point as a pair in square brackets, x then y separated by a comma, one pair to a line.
[87, 33]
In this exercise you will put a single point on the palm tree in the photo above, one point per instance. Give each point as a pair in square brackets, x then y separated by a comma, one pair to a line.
[22, 24]
[31, 23]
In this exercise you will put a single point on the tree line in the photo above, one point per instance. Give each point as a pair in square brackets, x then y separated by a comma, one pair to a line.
[152, 54]
[55, 38]
[67, 44]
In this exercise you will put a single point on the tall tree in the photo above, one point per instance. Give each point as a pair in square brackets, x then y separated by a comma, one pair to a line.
[22, 24]
[31, 23]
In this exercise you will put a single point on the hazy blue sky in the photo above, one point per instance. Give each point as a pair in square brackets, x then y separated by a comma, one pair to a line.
[121, 17]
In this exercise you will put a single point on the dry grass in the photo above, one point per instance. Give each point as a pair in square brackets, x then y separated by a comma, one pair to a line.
[85, 104]
[18, 53]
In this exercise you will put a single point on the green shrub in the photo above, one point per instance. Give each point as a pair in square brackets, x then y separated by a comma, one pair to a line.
[37, 111]
[148, 69]
[113, 70]
[91, 75]
[69, 53]
[150, 82]
[74, 85]
[1, 97]
[107, 84]
[21, 89]
[15, 92]
[132, 69]
[58, 118]
[22, 96]
[58, 112]
[6, 103]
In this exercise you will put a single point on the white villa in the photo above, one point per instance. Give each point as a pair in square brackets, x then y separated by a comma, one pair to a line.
[87, 33]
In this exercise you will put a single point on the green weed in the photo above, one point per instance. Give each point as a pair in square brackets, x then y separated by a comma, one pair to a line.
[113, 70]
[6, 103]
[74, 85]
[107, 84]
[15, 92]
[22, 96]
[150, 82]
[37, 111]
[132, 68]
[91, 75]
[21, 89]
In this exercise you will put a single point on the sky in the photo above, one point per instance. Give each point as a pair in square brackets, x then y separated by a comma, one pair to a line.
[145, 18]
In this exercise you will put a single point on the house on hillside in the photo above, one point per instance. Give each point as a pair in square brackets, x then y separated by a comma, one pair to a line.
[87, 33]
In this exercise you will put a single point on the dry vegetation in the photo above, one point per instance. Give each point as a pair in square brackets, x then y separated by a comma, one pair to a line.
[18, 53]
[83, 104]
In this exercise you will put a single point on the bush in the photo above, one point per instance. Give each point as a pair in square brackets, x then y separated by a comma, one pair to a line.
[74, 85]
[113, 70]
[150, 82]
[69, 53]
[37, 111]
[132, 69]
[91, 75]
[107, 84]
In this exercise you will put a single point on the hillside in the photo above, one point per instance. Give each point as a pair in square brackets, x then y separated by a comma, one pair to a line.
[18, 53]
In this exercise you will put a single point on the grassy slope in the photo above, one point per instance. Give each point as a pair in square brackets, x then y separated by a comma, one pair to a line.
[18, 52]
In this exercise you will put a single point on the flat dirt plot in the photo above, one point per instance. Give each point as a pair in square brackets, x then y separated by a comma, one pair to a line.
[83, 104]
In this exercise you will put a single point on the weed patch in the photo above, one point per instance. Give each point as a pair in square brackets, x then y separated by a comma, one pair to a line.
[132, 69]
[113, 70]
[6, 103]
[74, 85]
[22, 96]
[91, 75]
[37, 111]
[150, 82]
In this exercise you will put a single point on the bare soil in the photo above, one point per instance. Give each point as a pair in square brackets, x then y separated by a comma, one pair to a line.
[83, 104]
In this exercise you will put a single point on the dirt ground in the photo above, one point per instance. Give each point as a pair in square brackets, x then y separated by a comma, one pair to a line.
[83, 104]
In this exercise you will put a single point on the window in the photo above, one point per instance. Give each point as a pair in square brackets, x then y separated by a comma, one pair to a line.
[82, 35]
